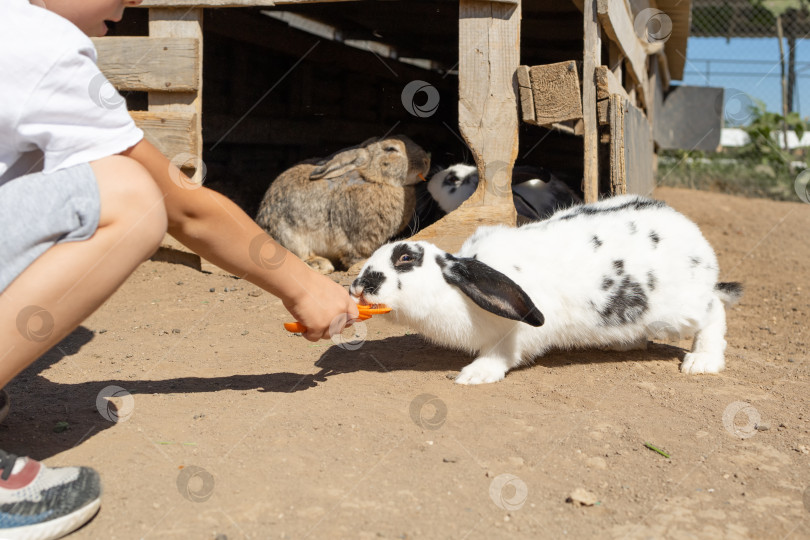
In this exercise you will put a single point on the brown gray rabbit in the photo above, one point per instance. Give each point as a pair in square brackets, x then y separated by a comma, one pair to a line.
[342, 208]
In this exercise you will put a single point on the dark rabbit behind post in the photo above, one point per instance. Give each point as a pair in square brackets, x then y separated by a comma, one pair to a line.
[338, 210]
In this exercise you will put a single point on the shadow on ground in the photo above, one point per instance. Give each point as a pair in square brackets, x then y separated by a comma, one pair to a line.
[39, 405]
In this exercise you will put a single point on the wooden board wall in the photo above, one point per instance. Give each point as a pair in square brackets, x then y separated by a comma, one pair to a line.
[631, 148]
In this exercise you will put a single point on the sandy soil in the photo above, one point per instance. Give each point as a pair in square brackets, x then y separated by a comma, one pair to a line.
[230, 427]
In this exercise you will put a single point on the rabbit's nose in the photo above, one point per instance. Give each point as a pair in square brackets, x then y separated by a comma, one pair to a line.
[369, 281]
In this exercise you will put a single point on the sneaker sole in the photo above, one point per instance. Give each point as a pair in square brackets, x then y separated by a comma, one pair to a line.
[55, 528]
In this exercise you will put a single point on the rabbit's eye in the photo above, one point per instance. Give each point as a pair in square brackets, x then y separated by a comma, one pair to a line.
[391, 149]
[405, 258]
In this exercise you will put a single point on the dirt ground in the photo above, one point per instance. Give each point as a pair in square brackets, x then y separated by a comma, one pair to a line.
[231, 427]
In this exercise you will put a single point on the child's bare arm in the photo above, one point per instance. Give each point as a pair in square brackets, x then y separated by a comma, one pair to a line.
[218, 230]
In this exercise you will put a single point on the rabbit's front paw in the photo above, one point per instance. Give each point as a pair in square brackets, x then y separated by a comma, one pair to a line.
[703, 362]
[483, 370]
[320, 265]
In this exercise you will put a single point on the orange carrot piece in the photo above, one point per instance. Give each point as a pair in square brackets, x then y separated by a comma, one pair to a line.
[365, 313]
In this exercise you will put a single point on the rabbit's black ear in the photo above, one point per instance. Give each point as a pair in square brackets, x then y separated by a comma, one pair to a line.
[340, 164]
[489, 289]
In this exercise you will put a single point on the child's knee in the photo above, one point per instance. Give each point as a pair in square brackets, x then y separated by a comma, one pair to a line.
[130, 197]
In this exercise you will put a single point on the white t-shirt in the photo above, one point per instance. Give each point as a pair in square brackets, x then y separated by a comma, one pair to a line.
[56, 107]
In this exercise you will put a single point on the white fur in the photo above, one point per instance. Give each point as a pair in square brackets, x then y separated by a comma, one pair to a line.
[451, 196]
[558, 264]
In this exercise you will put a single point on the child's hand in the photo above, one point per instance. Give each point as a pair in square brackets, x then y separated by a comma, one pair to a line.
[325, 307]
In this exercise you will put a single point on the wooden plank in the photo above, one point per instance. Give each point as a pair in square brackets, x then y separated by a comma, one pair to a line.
[602, 112]
[631, 149]
[172, 133]
[148, 63]
[663, 70]
[690, 118]
[680, 13]
[607, 84]
[489, 49]
[526, 95]
[244, 26]
[618, 26]
[181, 23]
[617, 173]
[554, 93]
[656, 94]
[592, 58]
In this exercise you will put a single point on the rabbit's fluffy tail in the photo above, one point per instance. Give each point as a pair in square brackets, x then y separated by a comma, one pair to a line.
[730, 292]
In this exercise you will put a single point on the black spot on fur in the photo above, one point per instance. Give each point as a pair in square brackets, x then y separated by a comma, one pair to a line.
[399, 284]
[517, 268]
[406, 257]
[450, 180]
[651, 280]
[694, 261]
[627, 303]
[452, 190]
[709, 307]
[733, 290]
[607, 283]
[370, 281]
[596, 242]
[655, 238]
[619, 267]
[635, 204]
[632, 226]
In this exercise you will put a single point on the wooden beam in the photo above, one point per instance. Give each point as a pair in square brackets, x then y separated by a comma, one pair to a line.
[592, 58]
[663, 70]
[181, 23]
[550, 93]
[607, 84]
[526, 95]
[247, 27]
[631, 149]
[489, 55]
[618, 25]
[172, 133]
[148, 64]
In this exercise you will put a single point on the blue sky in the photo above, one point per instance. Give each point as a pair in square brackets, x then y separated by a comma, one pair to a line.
[751, 66]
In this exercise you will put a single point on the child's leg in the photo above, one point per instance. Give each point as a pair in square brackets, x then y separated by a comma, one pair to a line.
[70, 280]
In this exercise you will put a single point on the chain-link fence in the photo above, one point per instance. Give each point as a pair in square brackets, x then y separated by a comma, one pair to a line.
[735, 44]
[758, 51]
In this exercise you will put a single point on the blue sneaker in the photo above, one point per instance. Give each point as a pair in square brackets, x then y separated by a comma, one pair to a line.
[39, 503]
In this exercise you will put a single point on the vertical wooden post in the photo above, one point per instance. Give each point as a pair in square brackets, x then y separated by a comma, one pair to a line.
[592, 58]
[489, 55]
[181, 22]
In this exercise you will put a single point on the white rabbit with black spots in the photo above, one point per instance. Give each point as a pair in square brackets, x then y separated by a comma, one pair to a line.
[612, 273]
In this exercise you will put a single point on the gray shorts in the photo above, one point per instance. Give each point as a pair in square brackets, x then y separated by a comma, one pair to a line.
[40, 210]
